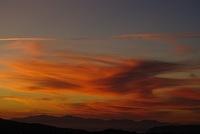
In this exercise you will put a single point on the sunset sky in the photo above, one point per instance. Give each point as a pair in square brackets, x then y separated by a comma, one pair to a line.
[124, 59]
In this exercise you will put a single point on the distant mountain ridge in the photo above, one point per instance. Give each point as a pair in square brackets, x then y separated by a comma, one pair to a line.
[92, 124]
[13, 127]
[175, 129]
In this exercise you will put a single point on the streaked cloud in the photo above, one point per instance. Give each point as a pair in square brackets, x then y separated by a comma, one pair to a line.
[158, 36]
[109, 85]
[26, 39]
[169, 38]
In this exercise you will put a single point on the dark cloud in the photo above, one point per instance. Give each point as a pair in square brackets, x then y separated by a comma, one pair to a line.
[143, 78]
[184, 102]
[51, 83]
[140, 77]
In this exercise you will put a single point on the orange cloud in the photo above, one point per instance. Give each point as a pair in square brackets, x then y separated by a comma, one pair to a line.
[99, 85]
[32, 48]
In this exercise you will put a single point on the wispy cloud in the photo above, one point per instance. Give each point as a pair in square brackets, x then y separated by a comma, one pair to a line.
[26, 39]
[157, 36]
[169, 38]
[105, 84]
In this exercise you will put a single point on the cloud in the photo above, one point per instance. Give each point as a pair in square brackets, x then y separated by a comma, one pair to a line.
[52, 83]
[32, 48]
[157, 36]
[30, 105]
[95, 74]
[169, 38]
[140, 76]
[183, 92]
[26, 39]
[182, 49]
[99, 86]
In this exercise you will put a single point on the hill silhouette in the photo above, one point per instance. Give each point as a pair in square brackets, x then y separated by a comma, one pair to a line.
[13, 127]
[92, 124]
[175, 129]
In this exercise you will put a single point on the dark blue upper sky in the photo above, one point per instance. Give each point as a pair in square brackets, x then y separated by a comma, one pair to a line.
[74, 18]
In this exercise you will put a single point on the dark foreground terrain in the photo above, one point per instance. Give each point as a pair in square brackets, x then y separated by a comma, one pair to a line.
[13, 127]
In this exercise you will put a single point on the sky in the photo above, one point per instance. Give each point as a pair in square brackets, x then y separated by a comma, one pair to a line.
[116, 59]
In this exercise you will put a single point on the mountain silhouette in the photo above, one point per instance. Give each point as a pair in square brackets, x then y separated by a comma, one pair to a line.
[14, 127]
[175, 129]
[91, 124]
